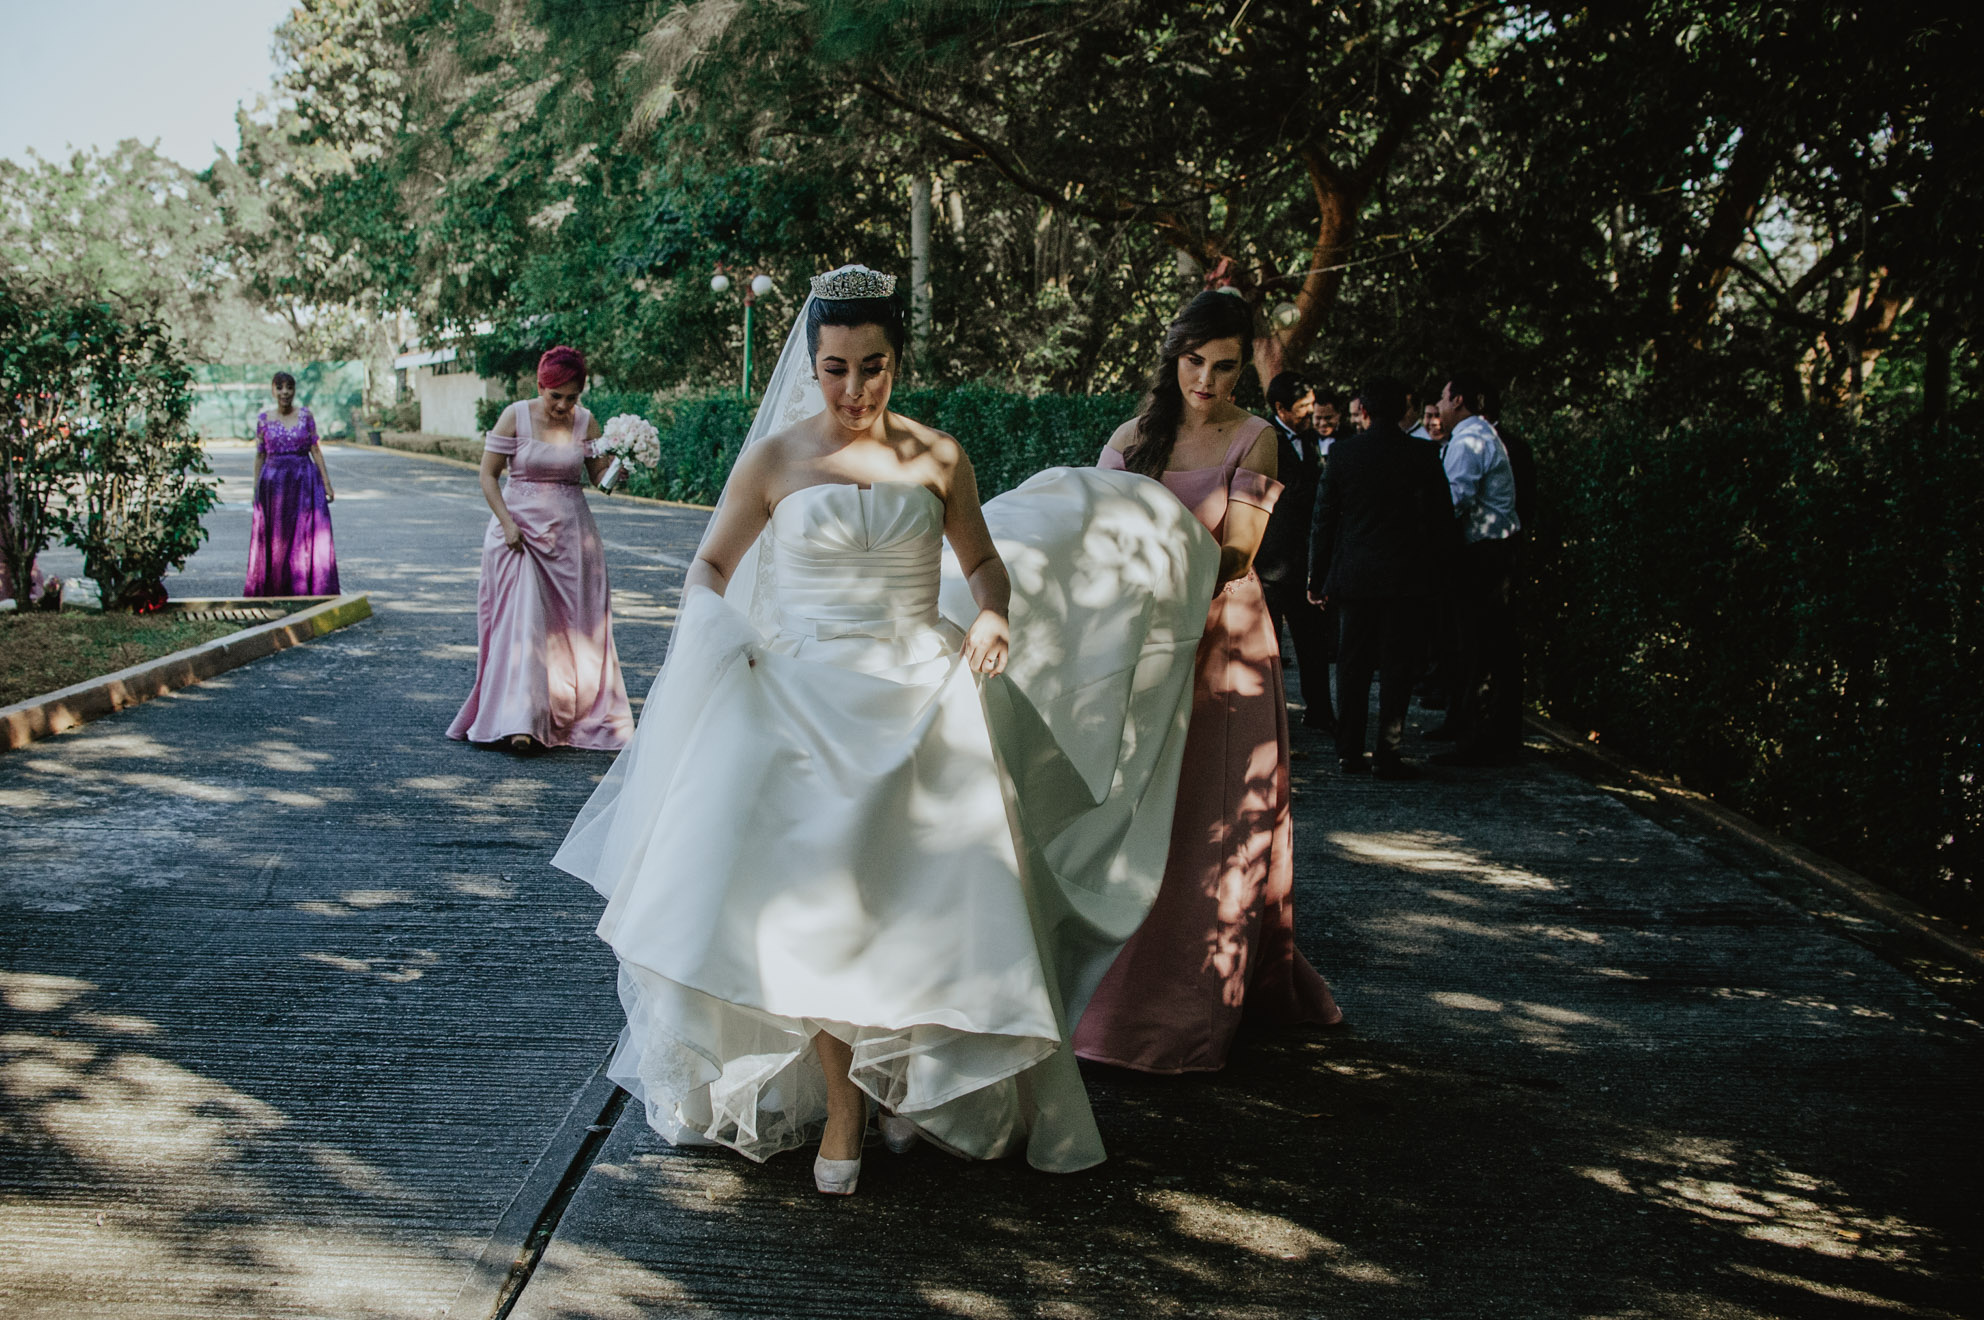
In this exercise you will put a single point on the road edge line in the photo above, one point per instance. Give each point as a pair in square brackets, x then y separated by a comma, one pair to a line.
[1870, 896]
[516, 1244]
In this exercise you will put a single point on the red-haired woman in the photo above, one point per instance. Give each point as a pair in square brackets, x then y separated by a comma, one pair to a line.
[546, 673]
[290, 551]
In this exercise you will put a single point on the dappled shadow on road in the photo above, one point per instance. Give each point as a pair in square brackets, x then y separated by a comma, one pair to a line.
[287, 1016]
[1316, 1177]
[290, 998]
[162, 1181]
[1589, 1072]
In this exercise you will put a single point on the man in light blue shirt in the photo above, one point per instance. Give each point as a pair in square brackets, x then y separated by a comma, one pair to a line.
[1478, 471]
[1485, 710]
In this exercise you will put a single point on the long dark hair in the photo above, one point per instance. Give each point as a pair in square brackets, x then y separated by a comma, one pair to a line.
[1207, 317]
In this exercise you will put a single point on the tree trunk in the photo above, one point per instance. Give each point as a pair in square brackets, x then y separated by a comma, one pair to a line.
[919, 265]
[1737, 200]
[1337, 200]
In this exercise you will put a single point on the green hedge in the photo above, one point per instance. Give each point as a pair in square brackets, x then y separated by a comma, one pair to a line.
[1009, 436]
[1785, 613]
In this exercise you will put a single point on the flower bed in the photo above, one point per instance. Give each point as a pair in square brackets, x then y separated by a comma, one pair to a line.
[44, 652]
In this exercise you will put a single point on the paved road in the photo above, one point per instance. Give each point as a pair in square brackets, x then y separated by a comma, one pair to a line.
[1591, 1069]
[293, 1000]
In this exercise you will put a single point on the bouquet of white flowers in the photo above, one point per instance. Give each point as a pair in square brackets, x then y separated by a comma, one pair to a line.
[628, 438]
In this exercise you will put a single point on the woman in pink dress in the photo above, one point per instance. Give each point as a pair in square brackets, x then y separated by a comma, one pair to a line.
[290, 550]
[546, 673]
[1219, 945]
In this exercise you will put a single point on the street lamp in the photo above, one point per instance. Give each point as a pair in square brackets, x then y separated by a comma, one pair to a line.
[757, 287]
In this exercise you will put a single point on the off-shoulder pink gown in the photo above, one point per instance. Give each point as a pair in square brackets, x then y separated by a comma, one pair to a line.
[545, 663]
[1219, 945]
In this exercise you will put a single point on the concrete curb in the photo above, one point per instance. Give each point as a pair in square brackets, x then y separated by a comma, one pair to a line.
[1935, 933]
[517, 1243]
[76, 705]
[452, 461]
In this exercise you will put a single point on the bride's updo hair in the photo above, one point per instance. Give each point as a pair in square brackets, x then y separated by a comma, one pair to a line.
[1211, 315]
[883, 311]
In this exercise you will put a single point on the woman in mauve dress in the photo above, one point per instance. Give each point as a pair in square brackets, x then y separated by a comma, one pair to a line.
[290, 551]
[1219, 945]
[546, 673]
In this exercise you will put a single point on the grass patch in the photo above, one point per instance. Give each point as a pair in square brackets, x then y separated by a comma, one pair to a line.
[43, 652]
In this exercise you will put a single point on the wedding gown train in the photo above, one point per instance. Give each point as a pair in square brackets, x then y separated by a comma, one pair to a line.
[830, 824]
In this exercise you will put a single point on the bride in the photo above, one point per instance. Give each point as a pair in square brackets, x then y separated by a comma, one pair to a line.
[885, 823]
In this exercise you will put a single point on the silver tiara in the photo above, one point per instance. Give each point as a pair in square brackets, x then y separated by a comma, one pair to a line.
[853, 282]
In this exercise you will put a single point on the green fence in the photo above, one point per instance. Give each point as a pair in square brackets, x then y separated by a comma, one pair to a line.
[227, 398]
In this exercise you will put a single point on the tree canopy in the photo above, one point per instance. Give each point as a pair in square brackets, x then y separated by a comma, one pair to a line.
[132, 226]
[1763, 201]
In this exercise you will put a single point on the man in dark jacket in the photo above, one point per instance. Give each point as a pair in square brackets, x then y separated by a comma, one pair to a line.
[1384, 527]
[1283, 559]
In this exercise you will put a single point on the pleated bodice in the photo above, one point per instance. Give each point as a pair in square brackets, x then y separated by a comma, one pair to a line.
[854, 561]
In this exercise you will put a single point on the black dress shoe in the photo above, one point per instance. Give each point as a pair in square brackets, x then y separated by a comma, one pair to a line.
[1356, 765]
[1320, 723]
[1394, 768]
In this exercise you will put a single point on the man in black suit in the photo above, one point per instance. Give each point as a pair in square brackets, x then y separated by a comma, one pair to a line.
[1384, 527]
[1283, 559]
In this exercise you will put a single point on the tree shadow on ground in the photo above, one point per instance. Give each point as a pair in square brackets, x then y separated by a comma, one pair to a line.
[1589, 1071]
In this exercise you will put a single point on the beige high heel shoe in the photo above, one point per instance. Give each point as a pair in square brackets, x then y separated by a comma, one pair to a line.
[839, 1177]
[836, 1177]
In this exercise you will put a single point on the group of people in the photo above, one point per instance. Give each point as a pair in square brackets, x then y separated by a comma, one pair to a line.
[546, 671]
[897, 841]
[1392, 554]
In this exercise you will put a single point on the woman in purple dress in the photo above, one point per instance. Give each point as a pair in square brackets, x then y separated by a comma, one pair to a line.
[546, 673]
[1219, 945]
[290, 551]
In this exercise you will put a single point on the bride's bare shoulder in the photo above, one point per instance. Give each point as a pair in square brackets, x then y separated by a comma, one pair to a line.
[761, 463]
[796, 443]
[928, 441]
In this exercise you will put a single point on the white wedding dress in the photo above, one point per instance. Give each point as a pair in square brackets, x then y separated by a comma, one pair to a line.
[832, 825]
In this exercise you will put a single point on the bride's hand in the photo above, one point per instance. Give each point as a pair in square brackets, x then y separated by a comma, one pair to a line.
[986, 645]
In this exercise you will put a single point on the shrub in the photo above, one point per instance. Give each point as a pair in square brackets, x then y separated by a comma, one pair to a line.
[1785, 613]
[1012, 436]
[100, 445]
[488, 412]
[137, 499]
[403, 414]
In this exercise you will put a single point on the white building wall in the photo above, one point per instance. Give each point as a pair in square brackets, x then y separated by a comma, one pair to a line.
[447, 403]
